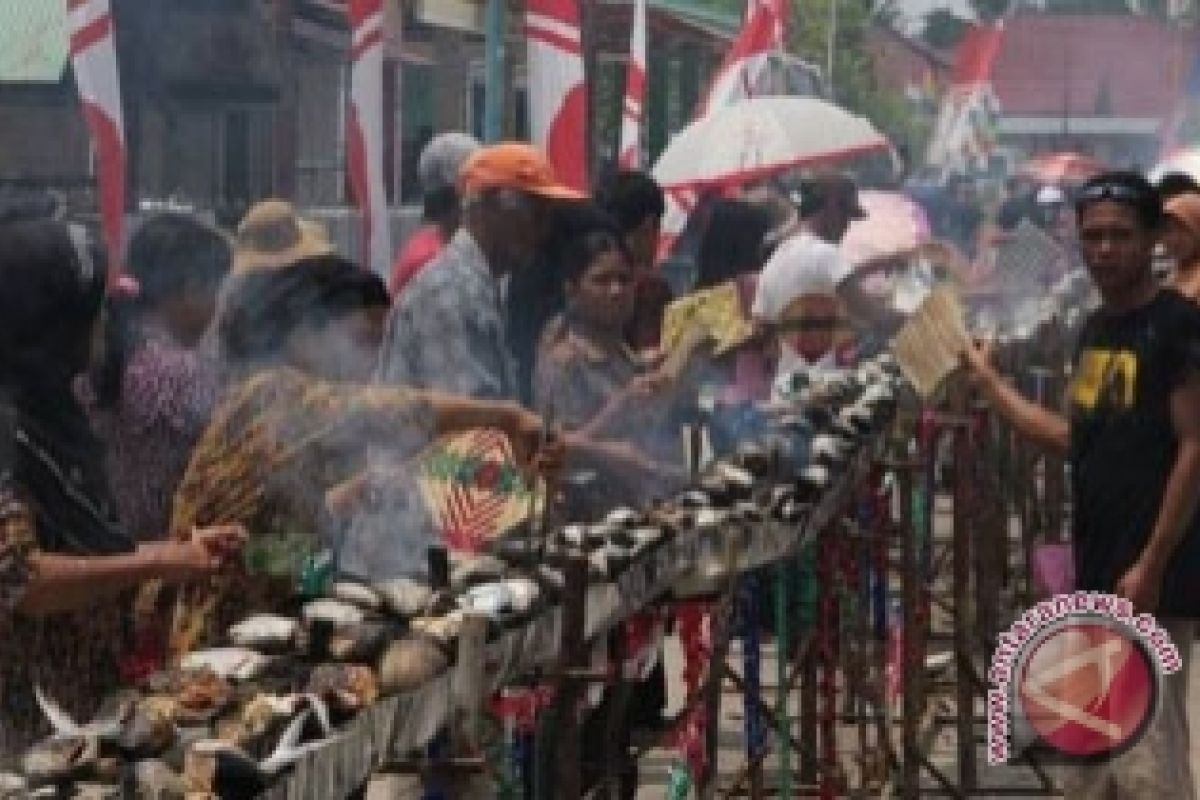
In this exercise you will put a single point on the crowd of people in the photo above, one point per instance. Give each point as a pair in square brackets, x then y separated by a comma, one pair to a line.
[237, 384]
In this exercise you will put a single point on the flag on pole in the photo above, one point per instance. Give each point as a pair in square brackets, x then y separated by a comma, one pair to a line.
[778, 8]
[630, 154]
[763, 31]
[364, 134]
[94, 61]
[557, 87]
[965, 132]
[761, 35]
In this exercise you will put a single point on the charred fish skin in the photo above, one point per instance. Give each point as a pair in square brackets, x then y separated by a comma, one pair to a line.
[333, 612]
[155, 780]
[239, 664]
[405, 597]
[362, 642]
[265, 632]
[60, 759]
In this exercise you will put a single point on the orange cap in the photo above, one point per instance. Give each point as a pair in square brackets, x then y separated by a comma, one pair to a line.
[513, 165]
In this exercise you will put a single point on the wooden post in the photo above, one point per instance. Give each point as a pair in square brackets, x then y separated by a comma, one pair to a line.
[573, 657]
[914, 627]
[964, 639]
[468, 685]
[287, 114]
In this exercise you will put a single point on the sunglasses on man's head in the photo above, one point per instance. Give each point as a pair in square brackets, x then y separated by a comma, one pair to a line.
[1112, 191]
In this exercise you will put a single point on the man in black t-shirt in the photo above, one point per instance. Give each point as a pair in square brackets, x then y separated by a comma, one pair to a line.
[1133, 440]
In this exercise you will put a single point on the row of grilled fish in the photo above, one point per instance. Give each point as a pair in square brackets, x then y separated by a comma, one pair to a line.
[229, 719]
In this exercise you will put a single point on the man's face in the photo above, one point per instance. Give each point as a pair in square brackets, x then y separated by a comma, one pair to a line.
[1116, 247]
[1179, 242]
[521, 223]
[642, 243]
[834, 219]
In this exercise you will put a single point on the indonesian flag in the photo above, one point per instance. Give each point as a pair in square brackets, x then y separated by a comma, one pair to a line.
[964, 134]
[94, 61]
[630, 154]
[364, 134]
[557, 88]
[762, 34]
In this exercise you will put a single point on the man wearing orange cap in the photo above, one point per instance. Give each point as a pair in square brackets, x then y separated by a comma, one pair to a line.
[446, 331]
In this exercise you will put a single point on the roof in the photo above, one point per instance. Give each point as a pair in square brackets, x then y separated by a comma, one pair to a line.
[33, 41]
[686, 15]
[1090, 65]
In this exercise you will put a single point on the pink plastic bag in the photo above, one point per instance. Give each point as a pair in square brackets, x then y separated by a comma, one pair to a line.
[1053, 569]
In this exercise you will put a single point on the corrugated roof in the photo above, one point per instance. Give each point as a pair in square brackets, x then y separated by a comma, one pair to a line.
[33, 41]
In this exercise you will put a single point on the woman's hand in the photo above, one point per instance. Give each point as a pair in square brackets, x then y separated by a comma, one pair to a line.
[206, 552]
[1141, 585]
[649, 384]
[536, 450]
[977, 357]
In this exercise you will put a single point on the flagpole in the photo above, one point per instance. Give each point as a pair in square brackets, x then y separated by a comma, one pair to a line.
[831, 46]
[493, 92]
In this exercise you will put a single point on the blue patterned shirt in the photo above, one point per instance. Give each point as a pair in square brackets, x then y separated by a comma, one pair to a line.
[446, 330]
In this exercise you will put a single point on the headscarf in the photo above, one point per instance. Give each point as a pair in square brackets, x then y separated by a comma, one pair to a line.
[53, 287]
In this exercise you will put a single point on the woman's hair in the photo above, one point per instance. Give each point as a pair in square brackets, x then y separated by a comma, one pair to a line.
[583, 234]
[54, 279]
[732, 243]
[1129, 189]
[1174, 184]
[265, 308]
[170, 256]
[631, 197]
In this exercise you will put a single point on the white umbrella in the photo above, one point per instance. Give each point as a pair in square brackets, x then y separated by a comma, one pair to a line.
[757, 138]
[1186, 161]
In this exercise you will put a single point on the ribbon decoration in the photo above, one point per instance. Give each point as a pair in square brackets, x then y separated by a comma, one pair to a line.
[629, 155]
[694, 626]
[94, 62]
[748, 626]
[364, 130]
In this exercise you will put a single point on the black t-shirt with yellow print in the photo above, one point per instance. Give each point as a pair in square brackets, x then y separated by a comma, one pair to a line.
[1123, 443]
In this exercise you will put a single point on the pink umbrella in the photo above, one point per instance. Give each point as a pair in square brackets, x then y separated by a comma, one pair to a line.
[1059, 168]
[894, 224]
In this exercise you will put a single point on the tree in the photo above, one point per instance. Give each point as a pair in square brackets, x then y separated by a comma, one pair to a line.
[988, 10]
[852, 78]
[943, 29]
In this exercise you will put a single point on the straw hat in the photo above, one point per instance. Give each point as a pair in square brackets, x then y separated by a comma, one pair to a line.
[272, 235]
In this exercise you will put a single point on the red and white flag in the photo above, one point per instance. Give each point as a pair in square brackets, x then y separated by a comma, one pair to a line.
[761, 35]
[94, 61]
[557, 87]
[965, 132]
[630, 154]
[364, 134]
[763, 31]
